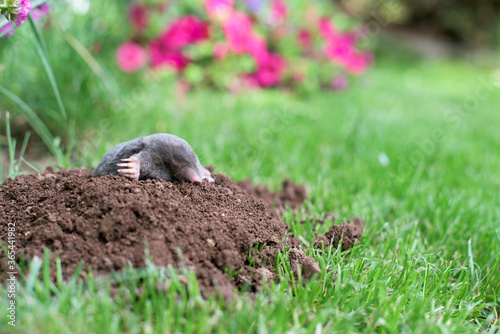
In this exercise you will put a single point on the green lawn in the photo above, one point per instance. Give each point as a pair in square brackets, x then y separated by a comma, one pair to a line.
[412, 148]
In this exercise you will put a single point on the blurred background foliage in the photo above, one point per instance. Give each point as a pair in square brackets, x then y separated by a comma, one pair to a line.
[468, 23]
[83, 36]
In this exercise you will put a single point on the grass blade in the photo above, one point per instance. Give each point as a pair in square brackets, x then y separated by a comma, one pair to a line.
[11, 145]
[42, 51]
[23, 150]
[87, 57]
[36, 123]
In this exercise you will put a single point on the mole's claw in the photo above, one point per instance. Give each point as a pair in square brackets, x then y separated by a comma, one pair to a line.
[133, 168]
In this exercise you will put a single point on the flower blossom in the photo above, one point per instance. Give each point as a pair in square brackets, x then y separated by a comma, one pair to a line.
[341, 48]
[270, 70]
[359, 63]
[305, 39]
[254, 5]
[327, 29]
[139, 16]
[7, 29]
[40, 11]
[237, 28]
[219, 10]
[166, 50]
[279, 10]
[22, 11]
[131, 57]
[16, 10]
[183, 31]
[162, 56]
[256, 46]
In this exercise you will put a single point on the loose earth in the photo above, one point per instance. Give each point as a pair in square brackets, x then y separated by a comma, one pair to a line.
[111, 222]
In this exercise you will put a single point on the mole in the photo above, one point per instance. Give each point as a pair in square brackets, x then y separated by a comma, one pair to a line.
[158, 156]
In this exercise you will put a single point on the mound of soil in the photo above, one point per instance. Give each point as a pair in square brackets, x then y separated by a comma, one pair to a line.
[110, 221]
[291, 195]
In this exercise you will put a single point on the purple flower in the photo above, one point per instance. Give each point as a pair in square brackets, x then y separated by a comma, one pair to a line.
[7, 29]
[40, 11]
[21, 12]
[254, 5]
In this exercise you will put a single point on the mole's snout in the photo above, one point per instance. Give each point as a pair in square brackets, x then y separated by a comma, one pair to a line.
[193, 176]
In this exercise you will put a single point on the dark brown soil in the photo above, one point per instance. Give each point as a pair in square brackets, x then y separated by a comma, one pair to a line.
[109, 222]
[291, 195]
[349, 233]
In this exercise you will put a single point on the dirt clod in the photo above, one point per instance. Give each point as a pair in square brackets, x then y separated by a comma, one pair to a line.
[302, 265]
[348, 233]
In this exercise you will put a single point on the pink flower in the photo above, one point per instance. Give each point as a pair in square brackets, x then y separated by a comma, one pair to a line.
[162, 56]
[327, 29]
[340, 49]
[219, 10]
[139, 16]
[305, 39]
[270, 71]
[21, 12]
[279, 10]
[256, 46]
[248, 82]
[7, 29]
[237, 28]
[359, 63]
[166, 49]
[220, 50]
[131, 57]
[40, 11]
[183, 31]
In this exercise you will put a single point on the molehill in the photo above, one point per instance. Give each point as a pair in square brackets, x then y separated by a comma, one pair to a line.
[111, 221]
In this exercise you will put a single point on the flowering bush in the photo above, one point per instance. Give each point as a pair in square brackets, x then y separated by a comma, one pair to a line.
[250, 44]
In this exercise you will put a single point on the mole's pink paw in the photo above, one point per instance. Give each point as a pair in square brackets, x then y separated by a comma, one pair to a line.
[132, 168]
[206, 175]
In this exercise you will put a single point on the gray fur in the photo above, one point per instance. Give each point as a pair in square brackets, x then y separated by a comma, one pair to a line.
[162, 156]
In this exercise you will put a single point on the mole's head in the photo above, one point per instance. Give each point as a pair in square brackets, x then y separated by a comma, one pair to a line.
[175, 154]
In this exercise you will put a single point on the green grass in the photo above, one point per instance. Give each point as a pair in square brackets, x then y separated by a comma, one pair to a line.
[429, 258]
[428, 261]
